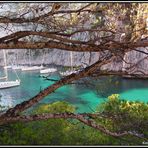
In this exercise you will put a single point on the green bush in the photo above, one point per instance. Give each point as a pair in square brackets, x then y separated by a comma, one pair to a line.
[126, 115]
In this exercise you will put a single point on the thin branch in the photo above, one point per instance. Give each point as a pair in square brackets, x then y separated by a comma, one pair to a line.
[81, 117]
[42, 17]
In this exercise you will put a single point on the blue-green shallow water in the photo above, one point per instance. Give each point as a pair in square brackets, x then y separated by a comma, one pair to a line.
[84, 98]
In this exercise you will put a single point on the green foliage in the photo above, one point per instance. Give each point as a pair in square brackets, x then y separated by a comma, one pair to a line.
[126, 115]
[56, 107]
[72, 132]
[53, 131]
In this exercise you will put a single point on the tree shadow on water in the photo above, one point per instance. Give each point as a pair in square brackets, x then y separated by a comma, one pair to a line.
[105, 86]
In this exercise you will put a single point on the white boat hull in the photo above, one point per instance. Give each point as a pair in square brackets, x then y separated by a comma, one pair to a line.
[33, 68]
[17, 67]
[66, 73]
[9, 84]
[48, 70]
[7, 67]
[1, 78]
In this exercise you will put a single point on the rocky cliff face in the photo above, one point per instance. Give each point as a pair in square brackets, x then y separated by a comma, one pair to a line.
[136, 62]
[55, 56]
[63, 58]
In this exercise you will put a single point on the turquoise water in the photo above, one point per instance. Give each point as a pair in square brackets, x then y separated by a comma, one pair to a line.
[85, 98]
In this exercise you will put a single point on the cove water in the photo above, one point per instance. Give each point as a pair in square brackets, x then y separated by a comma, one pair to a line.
[85, 98]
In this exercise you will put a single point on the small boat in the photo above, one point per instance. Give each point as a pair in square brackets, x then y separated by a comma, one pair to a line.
[72, 70]
[68, 72]
[8, 84]
[31, 68]
[16, 67]
[48, 70]
[5, 77]
[8, 67]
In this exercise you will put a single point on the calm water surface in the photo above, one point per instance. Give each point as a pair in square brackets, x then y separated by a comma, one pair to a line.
[85, 98]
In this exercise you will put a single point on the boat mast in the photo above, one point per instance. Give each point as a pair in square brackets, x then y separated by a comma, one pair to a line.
[29, 58]
[17, 57]
[71, 64]
[71, 61]
[5, 64]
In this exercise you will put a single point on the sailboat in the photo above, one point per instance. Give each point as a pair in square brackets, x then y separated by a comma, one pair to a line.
[68, 72]
[7, 66]
[16, 66]
[7, 84]
[47, 70]
[31, 68]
